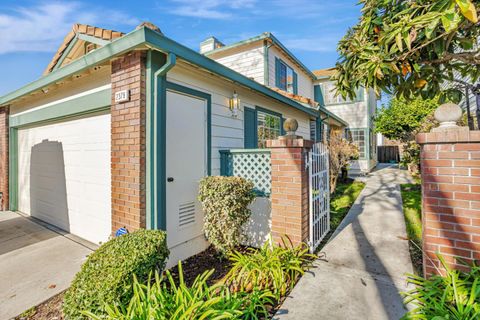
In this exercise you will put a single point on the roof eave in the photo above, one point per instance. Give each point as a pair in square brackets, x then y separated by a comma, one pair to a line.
[116, 47]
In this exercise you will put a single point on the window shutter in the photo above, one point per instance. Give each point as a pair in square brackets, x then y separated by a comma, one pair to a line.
[295, 83]
[281, 126]
[250, 128]
[318, 131]
[317, 95]
[277, 72]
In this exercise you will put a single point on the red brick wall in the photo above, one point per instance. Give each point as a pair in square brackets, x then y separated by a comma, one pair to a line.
[450, 164]
[289, 193]
[128, 143]
[4, 112]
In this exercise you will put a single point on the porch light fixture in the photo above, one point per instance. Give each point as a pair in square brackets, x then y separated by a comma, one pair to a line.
[234, 104]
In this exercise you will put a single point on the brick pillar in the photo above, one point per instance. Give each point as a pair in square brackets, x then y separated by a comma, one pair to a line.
[4, 113]
[128, 143]
[450, 168]
[289, 193]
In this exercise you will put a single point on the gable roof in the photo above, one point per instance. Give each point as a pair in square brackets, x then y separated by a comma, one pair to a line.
[323, 73]
[145, 37]
[266, 36]
[83, 29]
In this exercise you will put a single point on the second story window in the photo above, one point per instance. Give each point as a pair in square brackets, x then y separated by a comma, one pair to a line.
[328, 89]
[285, 77]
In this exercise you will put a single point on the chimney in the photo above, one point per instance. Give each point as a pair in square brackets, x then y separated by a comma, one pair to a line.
[210, 44]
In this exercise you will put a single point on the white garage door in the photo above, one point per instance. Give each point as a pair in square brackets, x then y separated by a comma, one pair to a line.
[64, 175]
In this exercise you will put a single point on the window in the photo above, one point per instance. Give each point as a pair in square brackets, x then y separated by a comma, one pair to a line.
[313, 130]
[286, 78]
[358, 137]
[268, 127]
[328, 89]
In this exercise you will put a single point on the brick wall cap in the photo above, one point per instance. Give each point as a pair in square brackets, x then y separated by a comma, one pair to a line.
[289, 143]
[449, 135]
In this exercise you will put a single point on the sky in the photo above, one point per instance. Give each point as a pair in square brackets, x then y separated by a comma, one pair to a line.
[31, 31]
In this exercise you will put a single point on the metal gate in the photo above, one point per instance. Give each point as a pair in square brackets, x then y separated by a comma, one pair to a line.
[319, 189]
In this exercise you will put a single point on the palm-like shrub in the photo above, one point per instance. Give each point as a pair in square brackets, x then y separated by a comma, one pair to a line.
[164, 299]
[455, 296]
[272, 267]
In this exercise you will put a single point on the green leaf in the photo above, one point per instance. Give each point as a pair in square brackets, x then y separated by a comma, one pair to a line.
[468, 10]
[398, 40]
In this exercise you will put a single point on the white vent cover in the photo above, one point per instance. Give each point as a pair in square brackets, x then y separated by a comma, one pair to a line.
[186, 214]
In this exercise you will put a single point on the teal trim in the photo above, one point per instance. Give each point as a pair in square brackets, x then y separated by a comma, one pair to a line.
[94, 102]
[155, 60]
[167, 45]
[146, 36]
[116, 47]
[318, 129]
[13, 169]
[249, 128]
[92, 39]
[318, 95]
[295, 82]
[65, 53]
[266, 66]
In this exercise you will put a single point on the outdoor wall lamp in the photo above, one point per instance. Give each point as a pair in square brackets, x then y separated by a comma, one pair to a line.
[234, 104]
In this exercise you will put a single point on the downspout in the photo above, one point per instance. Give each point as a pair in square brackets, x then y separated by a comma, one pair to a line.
[266, 77]
[157, 172]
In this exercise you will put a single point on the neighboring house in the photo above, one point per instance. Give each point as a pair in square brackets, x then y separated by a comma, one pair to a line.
[358, 114]
[121, 128]
[266, 60]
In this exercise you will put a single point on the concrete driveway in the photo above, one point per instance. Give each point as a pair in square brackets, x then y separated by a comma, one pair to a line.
[36, 262]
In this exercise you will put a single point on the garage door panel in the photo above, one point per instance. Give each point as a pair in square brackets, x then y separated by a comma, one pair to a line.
[64, 175]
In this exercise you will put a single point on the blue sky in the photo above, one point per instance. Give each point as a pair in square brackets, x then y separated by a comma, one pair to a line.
[31, 31]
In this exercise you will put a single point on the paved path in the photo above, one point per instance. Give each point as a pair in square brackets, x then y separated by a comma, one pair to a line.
[36, 262]
[365, 263]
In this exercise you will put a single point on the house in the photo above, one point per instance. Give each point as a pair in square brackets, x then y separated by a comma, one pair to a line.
[266, 60]
[359, 116]
[121, 127]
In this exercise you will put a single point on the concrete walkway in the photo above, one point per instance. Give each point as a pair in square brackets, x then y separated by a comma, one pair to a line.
[36, 262]
[365, 261]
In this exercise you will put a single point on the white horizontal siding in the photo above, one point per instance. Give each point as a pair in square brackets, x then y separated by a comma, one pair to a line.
[355, 114]
[227, 131]
[248, 62]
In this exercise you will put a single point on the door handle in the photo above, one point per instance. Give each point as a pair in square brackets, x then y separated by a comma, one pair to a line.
[170, 179]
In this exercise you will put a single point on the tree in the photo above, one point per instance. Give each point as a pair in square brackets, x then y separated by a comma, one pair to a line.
[411, 48]
[401, 119]
[341, 152]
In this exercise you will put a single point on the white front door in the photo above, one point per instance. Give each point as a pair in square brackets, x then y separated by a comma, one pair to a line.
[186, 165]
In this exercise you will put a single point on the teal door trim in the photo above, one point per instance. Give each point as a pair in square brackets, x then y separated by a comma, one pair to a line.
[13, 169]
[164, 85]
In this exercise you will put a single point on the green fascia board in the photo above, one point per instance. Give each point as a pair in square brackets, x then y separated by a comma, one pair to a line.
[145, 36]
[66, 52]
[266, 35]
[116, 47]
[92, 39]
[86, 104]
[165, 44]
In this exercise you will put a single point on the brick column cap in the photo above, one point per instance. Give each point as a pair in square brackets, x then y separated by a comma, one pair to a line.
[283, 142]
[450, 135]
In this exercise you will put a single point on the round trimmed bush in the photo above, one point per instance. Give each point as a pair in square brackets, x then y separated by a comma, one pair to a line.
[107, 275]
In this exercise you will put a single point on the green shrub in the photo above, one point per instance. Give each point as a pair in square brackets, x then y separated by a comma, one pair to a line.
[225, 201]
[164, 299]
[272, 267]
[455, 296]
[106, 277]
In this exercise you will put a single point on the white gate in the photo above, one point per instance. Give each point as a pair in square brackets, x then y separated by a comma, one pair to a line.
[319, 189]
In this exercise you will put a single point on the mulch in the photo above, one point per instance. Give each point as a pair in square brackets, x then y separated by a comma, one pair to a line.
[192, 267]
